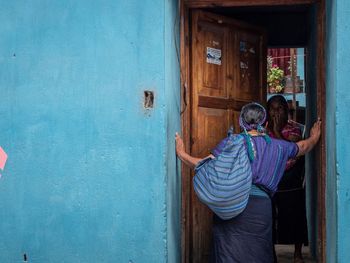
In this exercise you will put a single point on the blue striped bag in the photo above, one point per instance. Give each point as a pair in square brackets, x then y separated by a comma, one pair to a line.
[224, 183]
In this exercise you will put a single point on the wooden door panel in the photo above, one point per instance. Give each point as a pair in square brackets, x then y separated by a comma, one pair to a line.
[216, 100]
[211, 72]
[235, 123]
[212, 125]
[247, 53]
[202, 229]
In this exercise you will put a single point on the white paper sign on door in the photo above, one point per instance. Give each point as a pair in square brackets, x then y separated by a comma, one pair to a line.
[213, 56]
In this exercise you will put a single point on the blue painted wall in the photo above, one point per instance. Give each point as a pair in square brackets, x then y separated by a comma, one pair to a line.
[331, 179]
[338, 113]
[88, 176]
[342, 120]
[172, 95]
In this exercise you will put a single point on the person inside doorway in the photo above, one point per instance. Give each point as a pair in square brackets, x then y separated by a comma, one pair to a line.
[248, 236]
[289, 200]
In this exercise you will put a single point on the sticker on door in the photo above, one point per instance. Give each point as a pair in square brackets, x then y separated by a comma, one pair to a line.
[213, 56]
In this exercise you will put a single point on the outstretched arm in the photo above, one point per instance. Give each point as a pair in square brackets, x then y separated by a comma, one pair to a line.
[189, 160]
[306, 145]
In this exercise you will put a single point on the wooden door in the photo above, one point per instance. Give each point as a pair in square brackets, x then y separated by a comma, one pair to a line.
[228, 70]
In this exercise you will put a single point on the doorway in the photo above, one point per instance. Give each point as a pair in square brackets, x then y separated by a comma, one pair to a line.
[215, 85]
[286, 77]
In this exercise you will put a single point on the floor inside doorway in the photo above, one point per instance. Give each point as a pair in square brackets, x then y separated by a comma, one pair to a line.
[285, 254]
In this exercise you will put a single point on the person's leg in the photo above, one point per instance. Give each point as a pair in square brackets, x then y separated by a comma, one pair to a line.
[298, 256]
[274, 228]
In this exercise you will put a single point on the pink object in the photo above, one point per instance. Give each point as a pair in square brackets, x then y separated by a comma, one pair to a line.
[3, 158]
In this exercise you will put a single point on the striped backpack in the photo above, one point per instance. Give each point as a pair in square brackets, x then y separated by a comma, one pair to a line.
[224, 183]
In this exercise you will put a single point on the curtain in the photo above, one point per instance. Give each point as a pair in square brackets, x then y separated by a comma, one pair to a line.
[281, 57]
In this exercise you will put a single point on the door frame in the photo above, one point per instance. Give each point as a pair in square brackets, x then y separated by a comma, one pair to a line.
[185, 44]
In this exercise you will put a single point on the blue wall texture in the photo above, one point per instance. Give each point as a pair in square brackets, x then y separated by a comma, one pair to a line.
[91, 172]
[172, 95]
[338, 112]
[92, 175]
[342, 123]
[331, 179]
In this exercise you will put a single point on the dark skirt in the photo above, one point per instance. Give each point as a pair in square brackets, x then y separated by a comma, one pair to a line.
[246, 238]
[290, 208]
[291, 223]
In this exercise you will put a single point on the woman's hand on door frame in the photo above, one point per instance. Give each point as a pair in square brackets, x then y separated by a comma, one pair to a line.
[180, 146]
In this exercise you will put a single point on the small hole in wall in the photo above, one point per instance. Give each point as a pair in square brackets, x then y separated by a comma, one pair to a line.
[25, 258]
[148, 99]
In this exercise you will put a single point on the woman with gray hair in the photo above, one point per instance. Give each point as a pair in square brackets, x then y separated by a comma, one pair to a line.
[248, 236]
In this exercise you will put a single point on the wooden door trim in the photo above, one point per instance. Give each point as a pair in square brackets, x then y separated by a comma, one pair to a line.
[185, 8]
[185, 129]
[213, 18]
[220, 103]
[321, 110]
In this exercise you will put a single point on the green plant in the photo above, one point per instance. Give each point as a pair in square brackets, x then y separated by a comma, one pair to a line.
[275, 77]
